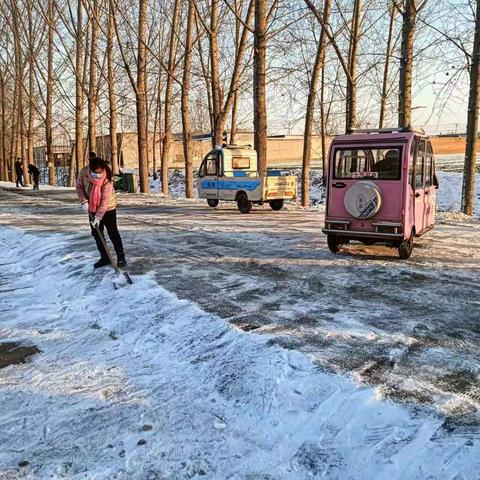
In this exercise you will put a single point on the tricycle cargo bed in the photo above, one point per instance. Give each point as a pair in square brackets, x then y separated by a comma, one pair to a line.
[279, 187]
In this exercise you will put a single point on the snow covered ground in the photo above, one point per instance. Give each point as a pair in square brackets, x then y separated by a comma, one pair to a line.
[244, 349]
[138, 384]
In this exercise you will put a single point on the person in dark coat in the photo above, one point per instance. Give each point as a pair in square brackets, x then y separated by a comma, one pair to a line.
[35, 174]
[19, 172]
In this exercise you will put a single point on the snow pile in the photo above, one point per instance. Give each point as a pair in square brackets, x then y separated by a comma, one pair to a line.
[138, 384]
[449, 195]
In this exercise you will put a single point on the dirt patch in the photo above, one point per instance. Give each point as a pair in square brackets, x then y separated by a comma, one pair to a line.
[12, 353]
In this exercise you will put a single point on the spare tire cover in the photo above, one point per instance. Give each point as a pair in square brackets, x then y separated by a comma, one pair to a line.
[363, 200]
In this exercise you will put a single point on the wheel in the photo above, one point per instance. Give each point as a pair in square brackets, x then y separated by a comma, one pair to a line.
[334, 243]
[212, 202]
[243, 203]
[276, 204]
[405, 248]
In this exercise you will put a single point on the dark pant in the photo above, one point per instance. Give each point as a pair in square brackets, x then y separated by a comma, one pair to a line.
[109, 221]
[35, 182]
[19, 176]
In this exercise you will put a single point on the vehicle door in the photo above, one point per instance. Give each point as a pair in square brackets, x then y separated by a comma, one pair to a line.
[208, 176]
[419, 185]
[430, 186]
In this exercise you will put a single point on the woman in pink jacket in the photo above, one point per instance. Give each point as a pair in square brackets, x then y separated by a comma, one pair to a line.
[96, 194]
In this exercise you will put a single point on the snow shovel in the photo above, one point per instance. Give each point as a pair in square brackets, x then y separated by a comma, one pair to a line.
[120, 273]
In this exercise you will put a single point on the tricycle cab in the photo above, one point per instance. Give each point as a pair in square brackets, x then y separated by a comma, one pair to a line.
[381, 187]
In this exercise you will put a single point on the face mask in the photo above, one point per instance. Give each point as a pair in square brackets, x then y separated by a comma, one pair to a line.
[96, 175]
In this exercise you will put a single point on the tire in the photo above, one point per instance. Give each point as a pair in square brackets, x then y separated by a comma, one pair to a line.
[405, 248]
[334, 243]
[212, 202]
[243, 203]
[276, 204]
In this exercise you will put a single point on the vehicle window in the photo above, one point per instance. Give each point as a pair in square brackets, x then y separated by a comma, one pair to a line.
[211, 164]
[419, 172]
[429, 148]
[428, 172]
[240, 162]
[411, 162]
[421, 147]
[202, 171]
[381, 163]
[429, 165]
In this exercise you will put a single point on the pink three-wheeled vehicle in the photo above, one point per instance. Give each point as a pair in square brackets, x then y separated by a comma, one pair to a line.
[381, 187]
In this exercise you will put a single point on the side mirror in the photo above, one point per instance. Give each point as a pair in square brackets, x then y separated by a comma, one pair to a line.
[436, 184]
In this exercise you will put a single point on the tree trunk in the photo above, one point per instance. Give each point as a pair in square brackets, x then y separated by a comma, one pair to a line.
[259, 85]
[111, 91]
[206, 78]
[468, 193]
[92, 84]
[388, 56]
[21, 129]
[406, 65]
[31, 84]
[233, 126]
[168, 136]
[351, 107]
[312, 96]
[48, 113]
[238, 25]
[141, 98]
[217, 138]
[13, 134]
[186, 123]
[323, 124]
[3, 126]
[19, 78]
[78, 97]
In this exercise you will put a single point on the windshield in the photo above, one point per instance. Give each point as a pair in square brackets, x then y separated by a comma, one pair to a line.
[380, 163]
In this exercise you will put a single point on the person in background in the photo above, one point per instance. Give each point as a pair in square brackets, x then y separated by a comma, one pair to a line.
[35, 174]
[97, 196]
[19, 172]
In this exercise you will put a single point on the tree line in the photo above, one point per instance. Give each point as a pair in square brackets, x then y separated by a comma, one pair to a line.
[79, 69]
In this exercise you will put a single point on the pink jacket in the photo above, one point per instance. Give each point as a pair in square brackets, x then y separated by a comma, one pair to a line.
[83, 187]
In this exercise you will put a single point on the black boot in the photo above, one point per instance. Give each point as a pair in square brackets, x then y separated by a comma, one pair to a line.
[121, 262]
[103, 262]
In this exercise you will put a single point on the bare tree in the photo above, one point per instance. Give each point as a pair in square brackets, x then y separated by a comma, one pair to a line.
[409, 14]
[348, 64]
[93, 12]
[470, 168]
[31, 81]
[317, 72]
[351, 114]
[186, 121]
[386, 69]
[168, 136]
[3, 128]
[259, 85]
[49, 86]
[111, 90]
[141, 97]
[78, 96]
